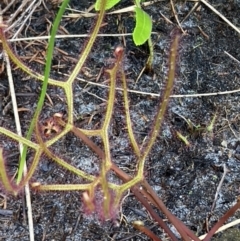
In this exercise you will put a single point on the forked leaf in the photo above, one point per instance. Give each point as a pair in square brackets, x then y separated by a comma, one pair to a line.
[143, 28]
[109, 4]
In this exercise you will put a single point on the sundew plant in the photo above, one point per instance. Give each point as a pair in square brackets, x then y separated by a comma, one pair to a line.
[112, 193]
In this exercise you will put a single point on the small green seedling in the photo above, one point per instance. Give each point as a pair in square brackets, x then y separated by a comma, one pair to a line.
[142, 31]
[211, 126]
[194, 128]
[143, 27]
[183, 138]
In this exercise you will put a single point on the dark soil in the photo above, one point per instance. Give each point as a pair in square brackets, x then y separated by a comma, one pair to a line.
[184, 176]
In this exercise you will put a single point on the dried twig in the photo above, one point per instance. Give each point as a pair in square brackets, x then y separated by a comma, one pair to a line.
[220, 15]
[225, 171]
[8, 6]
[190, 12]
[19, 9]
[232, 57]
[32, 7]
[157, 95]
[176, 16]
[19, 132]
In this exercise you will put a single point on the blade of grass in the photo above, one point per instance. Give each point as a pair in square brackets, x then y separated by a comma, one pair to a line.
[44, 86]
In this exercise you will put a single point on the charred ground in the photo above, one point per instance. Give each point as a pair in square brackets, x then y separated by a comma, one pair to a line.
[185, 177]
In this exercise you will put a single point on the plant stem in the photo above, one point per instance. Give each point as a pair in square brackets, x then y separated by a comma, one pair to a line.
[222, 220]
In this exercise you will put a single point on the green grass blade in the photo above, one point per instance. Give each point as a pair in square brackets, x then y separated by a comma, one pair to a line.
[44, 86]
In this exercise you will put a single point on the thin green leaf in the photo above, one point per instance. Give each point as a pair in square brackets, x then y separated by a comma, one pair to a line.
[44, 85]
[143, 28]
[109, 4]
